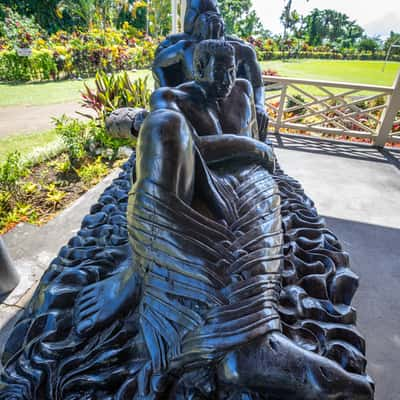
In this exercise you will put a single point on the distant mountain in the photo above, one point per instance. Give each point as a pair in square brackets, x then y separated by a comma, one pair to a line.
[383, 25]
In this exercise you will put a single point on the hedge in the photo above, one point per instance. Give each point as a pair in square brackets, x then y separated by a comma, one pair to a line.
[65, 62]
[277, 55]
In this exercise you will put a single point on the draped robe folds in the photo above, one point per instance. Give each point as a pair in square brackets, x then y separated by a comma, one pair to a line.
[207, 286]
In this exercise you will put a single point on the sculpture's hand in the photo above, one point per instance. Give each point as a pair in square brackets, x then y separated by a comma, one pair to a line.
[262, 121]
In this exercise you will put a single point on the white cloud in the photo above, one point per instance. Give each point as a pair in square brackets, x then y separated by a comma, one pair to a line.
[376, 18]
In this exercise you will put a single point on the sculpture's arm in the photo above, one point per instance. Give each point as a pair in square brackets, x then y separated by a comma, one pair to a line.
[225, 148]
[167, 57]
[249, 91]
[250, 69]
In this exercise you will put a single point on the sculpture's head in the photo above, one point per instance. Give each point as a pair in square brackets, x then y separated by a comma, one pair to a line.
[215, 67]
[209, 25]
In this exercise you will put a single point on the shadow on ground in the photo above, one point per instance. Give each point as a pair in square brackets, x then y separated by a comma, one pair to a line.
[358, 151]
[375, 257]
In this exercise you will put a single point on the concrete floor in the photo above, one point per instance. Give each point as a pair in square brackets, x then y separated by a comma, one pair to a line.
[357, 189]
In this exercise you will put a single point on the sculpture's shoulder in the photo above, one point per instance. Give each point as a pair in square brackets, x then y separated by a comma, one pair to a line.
[176, 98]
[245, 51]
[244, 86]
[165, 97]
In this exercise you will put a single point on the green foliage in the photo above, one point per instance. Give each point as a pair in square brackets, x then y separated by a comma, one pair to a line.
[40, 66]
[75, 135]
[92, 173]
[394, 38]
[368, 44]
[11, 171]
[115, 91]
[330, 26]
[296, 101]
[240, 19]
[44, 11]
[20, 30]
[78, 54]
[82, 139]
[30, 188]
[54, 195]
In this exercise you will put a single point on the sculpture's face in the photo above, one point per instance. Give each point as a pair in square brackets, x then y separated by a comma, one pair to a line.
[209, 26]
[220, 76]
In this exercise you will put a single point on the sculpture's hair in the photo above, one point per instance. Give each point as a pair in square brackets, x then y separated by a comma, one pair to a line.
[211, 48]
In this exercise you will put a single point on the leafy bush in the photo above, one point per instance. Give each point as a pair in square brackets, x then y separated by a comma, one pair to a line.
[296, 101]
[75, 135]
[92, 173]
[41, 65]
[82, 139]
[11, 171]
[115, 91]
[19, 30]
[66, 55]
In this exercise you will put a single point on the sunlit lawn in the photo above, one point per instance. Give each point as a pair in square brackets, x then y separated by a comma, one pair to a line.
[364, 72]
[48, 92]
[367, 72]
[26, 144]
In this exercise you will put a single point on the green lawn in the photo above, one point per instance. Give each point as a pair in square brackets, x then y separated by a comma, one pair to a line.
[368, 72]
[47, 92]
[26, 144]
[364, 72]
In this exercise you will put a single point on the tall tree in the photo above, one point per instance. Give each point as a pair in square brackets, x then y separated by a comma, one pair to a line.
[240, 19]
[330, 26]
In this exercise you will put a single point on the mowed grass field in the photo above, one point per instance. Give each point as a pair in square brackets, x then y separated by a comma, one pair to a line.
[364, 72]
[43, 93]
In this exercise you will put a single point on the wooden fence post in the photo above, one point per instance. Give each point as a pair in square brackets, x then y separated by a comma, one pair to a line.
[388, 116]
[8, 275]
[281, 109]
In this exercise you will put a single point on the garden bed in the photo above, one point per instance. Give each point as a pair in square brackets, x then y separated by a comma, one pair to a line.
[49, 187]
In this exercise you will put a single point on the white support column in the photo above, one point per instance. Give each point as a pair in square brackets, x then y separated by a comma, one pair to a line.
[183, 12]
[174, 12]
[388, 116]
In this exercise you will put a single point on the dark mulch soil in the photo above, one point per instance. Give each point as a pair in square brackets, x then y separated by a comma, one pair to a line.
[47, 175]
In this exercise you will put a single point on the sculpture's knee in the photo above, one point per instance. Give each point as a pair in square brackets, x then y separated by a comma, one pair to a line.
[166, 131]
[165, 153]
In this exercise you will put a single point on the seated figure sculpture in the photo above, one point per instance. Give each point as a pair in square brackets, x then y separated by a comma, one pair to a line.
[231, 286]
[174, 63]
[230, 292]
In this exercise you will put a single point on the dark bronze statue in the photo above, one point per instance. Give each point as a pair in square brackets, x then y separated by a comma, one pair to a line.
[174, 61]
[202, 273]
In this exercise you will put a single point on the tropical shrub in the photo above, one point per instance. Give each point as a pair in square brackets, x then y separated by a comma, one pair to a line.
[20, 31]
[115, 91]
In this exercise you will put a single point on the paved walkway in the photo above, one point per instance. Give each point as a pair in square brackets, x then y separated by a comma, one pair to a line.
[16, 120]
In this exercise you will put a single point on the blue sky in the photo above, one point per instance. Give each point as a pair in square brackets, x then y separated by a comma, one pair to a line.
[376, 17]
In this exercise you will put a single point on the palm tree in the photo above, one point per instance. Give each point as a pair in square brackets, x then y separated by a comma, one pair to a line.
[286, 19]
[83, 9]
[104, 12]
